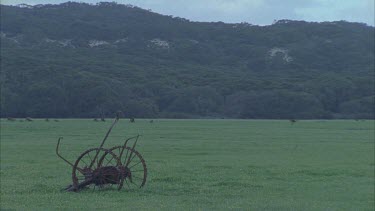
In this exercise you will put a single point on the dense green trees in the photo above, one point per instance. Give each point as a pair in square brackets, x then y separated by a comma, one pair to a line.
[274, 104]
[81, 60]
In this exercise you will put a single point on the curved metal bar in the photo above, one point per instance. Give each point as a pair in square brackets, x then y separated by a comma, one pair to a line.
[57, 152]
[105, 138]
[126, 142]
[131, 153]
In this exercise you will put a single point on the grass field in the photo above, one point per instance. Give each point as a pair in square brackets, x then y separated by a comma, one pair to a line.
[198, 164]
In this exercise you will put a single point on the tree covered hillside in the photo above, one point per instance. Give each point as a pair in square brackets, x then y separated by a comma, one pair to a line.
[82, 60]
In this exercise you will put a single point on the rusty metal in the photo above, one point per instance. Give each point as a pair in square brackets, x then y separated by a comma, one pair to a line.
[101, 167]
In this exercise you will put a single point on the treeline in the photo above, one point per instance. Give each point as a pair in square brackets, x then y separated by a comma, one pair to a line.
[81, 60]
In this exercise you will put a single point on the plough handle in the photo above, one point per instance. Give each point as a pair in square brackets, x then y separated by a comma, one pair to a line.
[105, 137]
[57, 152]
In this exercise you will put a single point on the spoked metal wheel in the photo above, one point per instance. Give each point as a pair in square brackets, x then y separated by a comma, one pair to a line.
[133, 167]
[96, 167]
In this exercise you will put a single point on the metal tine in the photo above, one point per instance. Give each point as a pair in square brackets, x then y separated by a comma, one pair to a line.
[131, 153]
[126, 142]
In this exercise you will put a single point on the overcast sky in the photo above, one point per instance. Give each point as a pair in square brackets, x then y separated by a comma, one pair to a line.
[260, 12]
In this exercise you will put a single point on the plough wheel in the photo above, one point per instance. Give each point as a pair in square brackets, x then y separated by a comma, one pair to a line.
[87, 165]
[134, 164]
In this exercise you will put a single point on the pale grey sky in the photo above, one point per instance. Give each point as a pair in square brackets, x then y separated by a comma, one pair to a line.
[260, 12]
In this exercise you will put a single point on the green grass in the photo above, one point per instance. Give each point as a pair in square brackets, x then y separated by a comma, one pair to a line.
[198, 164]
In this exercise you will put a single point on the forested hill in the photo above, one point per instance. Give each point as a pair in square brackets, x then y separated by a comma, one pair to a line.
[81, 60]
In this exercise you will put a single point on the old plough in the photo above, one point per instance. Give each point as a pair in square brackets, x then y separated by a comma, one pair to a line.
[103, 167]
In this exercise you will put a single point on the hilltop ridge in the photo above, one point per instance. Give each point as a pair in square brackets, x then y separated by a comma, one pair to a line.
[81, 60]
